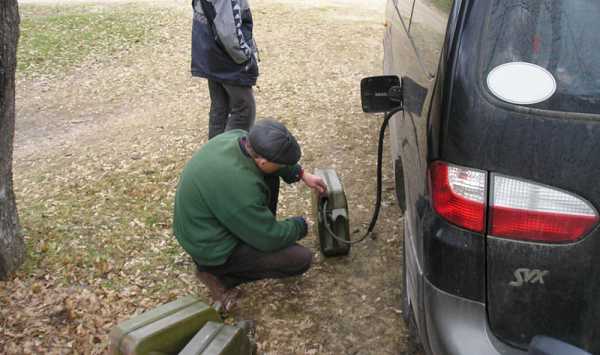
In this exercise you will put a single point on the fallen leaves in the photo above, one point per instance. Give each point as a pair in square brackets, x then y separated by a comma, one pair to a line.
[98, 156]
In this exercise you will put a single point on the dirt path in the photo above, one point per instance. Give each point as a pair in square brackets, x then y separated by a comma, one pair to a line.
[56, 130]
[143, 108]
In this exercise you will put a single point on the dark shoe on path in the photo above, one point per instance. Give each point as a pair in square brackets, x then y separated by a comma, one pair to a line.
[225, 300]
[214, 285]
[228, 302]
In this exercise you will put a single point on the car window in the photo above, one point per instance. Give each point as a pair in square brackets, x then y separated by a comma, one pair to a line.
[428, 27]
[404, 9]
[560, 36]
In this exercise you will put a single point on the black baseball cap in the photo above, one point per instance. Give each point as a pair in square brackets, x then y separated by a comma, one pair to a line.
[272, 140]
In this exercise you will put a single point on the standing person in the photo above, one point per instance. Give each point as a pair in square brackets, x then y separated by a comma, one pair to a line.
[226, 205]
[224, 52]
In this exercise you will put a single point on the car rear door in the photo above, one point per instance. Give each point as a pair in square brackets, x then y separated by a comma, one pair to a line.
[543, 159]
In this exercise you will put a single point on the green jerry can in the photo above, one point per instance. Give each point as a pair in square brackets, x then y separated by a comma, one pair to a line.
[220, 339]
[331, 214]
[162, 330]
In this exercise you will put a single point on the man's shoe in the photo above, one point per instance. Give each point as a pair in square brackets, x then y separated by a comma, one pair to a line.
[228, 302]
[214, 285]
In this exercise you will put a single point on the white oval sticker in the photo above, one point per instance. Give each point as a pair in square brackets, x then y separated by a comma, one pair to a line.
[521, 83]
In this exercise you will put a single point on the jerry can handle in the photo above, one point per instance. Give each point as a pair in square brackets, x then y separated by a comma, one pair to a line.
[326, 220]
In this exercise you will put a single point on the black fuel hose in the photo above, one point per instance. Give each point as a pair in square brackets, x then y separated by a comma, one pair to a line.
[384, 125]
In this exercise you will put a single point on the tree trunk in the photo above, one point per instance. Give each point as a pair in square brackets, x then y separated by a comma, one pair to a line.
[12, 247]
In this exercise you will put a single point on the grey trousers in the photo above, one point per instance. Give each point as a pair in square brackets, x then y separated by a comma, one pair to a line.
[231, 107]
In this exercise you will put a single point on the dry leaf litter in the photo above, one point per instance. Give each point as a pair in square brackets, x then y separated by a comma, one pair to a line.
[97, 156]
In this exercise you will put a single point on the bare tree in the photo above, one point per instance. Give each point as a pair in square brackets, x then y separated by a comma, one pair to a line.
[12, 247]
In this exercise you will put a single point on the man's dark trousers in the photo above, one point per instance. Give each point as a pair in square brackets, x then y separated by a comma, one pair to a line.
[231, 107]
[248, 264]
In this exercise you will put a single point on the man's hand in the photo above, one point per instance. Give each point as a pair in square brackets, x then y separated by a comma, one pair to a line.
[302, 222]
[315, 182]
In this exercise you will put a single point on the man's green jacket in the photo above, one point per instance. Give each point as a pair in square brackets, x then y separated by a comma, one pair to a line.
[222, 200]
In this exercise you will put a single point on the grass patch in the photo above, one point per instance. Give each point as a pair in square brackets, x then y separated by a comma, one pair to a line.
[58, 38]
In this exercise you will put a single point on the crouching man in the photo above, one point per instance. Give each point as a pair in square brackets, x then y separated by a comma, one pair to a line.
[225, 209]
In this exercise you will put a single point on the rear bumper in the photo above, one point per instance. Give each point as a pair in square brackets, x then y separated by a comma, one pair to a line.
[458, 326]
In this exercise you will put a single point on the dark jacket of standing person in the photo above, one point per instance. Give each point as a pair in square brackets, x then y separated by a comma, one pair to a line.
[223, 48]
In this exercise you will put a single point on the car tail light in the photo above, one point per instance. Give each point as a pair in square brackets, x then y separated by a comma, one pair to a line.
[459, 194]
[527, 211]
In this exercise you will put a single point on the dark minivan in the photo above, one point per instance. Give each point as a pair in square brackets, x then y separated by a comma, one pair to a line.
[497, 166]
